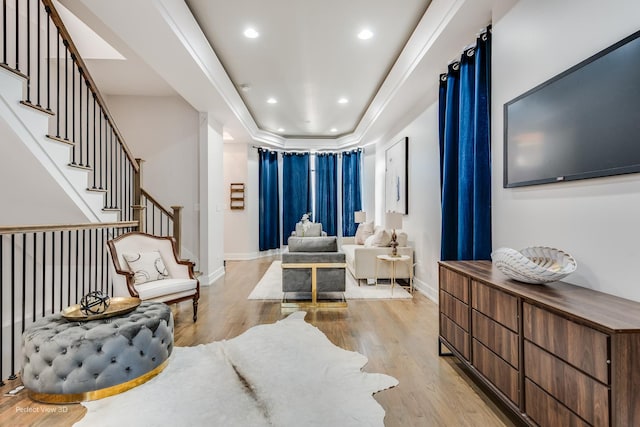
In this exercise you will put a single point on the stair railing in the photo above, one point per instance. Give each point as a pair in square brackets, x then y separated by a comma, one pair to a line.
[36, 45]
[44, 269]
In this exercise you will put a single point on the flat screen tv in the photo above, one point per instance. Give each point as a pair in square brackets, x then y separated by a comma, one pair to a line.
[582, 123]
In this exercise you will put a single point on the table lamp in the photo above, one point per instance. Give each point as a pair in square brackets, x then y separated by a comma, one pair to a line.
[360, 217]
[393, 221]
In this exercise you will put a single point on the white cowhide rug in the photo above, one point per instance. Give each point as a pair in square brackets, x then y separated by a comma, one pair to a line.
[282, 374]
[270, 287]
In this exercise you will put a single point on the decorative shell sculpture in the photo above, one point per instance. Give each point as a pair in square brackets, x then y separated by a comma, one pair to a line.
[536, 264]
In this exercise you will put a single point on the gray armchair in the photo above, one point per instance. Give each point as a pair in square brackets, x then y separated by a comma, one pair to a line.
[313, 264]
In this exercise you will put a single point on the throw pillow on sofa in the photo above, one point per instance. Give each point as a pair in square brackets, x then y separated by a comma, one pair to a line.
[380, 238]
[364, 230]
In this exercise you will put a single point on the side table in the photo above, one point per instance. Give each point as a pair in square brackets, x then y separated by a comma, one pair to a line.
[393, 260]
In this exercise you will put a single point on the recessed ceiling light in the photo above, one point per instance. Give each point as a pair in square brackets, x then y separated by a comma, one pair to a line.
[251, 33]
[280, 129]
[245, 87]
[365, 34]
[272, 101]
[343, 101]
[334, 130]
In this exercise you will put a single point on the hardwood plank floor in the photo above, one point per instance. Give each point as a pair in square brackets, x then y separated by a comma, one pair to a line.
[399, 338]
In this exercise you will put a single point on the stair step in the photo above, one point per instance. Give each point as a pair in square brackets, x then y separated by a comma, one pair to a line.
[38, 108]
[110, 209]
[86, 168]
[17, 73]
[97, 190]
[62, 140]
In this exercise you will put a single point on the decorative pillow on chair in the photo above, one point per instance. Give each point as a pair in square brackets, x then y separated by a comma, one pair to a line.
[146, 266]
[313, 229]
[364, 230]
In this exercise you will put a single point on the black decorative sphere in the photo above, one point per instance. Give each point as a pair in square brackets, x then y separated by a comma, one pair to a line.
[95, 302]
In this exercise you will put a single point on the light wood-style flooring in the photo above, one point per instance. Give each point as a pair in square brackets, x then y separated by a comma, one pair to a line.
[398, 337]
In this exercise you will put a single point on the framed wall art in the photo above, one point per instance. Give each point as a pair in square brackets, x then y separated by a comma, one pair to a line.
[396, 188]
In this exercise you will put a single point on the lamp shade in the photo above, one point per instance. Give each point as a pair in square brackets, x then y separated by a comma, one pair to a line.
[360, 216]
[393, 220]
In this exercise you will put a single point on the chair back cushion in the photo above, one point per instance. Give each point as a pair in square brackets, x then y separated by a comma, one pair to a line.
[146, 266]
[313, 244]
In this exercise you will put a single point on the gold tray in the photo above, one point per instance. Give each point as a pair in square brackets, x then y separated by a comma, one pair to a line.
[117, 307]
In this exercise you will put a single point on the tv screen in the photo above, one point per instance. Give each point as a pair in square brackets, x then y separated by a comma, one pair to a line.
[583, 123]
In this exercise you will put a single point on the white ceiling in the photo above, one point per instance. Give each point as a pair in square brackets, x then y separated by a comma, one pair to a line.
[307, 57]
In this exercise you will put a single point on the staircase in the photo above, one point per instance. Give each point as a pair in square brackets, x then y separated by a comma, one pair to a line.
[62, 162]
[45, 188]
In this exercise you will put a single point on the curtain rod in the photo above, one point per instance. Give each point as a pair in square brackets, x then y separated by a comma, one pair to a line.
[482, 31]
[279, 150]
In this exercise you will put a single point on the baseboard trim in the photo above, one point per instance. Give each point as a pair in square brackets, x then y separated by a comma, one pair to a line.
[426, 289]
[212, 277]
[251, 255]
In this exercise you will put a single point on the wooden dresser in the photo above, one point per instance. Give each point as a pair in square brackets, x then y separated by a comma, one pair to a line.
[555, 354]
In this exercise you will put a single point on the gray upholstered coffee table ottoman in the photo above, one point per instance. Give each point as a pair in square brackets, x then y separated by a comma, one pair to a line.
[69, 361]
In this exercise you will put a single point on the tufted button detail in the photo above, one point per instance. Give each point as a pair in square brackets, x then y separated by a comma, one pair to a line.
[37, 377]
[79, 364]
[141, 353]
[99, 349]
[50, 362]
[37, 348]
[64, 378]
[128, 368]
[95, 376]
[153, 359]
[64, 351]
[113, 359]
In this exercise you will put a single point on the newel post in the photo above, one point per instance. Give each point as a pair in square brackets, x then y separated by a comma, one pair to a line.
[177, 226]
[137, 184]
[138, 208]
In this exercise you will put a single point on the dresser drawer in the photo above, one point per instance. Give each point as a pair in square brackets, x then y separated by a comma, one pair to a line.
[498, 305]
[496, 370]
[454, 283]
[546, 411]
[581, 346]
[455, 310]
[577, 391]
[496, 337]
[455, 335]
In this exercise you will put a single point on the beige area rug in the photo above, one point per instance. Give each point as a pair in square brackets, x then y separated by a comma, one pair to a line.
[283, 374]
[270, 287]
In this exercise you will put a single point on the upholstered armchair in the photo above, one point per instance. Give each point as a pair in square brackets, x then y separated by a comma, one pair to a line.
[147, 267]
[313, 264]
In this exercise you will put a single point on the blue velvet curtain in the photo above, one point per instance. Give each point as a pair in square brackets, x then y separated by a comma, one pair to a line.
[465, 151]
[351, 190]
[327, 192]
[296, 197]
[268, 194]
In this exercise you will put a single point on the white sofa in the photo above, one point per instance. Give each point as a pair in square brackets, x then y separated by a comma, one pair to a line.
[361, 260]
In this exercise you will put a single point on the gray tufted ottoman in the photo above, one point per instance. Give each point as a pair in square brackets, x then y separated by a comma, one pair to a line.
[66, 361]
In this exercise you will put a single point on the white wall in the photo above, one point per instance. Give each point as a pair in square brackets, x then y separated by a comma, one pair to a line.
[163, 131]
[422, 223]
[241, 226]
[596, 220]
[211, 206]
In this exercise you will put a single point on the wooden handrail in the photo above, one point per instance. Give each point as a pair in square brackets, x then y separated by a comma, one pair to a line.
[85, 72]
[12, 229]
[156, 203]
